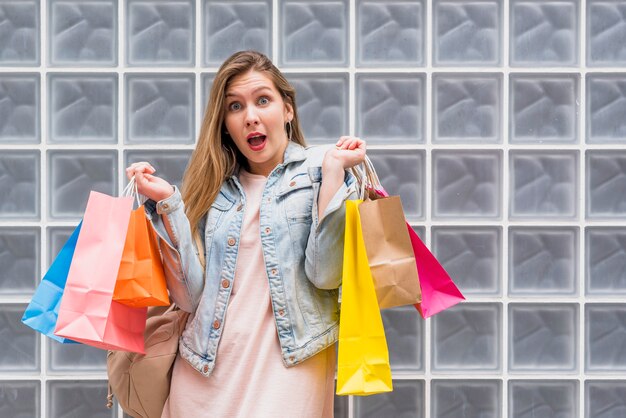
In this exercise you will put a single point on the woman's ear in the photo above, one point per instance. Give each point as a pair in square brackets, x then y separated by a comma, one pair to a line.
[288, 112]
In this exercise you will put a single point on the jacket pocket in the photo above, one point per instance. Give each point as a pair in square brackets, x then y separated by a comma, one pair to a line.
[297, 199]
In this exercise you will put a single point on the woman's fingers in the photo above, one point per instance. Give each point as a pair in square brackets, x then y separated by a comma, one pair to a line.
[140, 167]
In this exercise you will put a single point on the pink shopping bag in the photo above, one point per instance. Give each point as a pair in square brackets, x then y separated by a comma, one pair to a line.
[87, 313]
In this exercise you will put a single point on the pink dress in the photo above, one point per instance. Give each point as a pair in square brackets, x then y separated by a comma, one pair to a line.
[250, 379]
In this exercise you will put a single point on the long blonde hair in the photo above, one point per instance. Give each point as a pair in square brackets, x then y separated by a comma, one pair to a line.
[216, 155]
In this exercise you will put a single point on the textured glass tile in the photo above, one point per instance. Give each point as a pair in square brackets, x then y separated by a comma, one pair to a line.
[544, 33]
[606, 33]
[404, 330]
[390, 109]
[82, 32]
[605, 261]
[314, 33]
[20, 399]
[169, 165]
[543, 399]
[406, 400]
[605, 398]
[467, 33]
[466, 108]
[390, 33]
[605, 337]
[75, 398]
[19, 184]
[160, 108]
[543, 184]
[420, 231]
[73, 174]
[19, 106]
[19, 33]
[543, 261]
[75, 358]
[606, 108]
[471, 256]
[231, 26]
[57, 237]
[341, 406]
[466, 184]
[322, 101]
[159, 32]
[19, 260]
[207, 83]
[20, 344]
[467, 337]
[606, 184]
[402, 173]
[82, 108]
[544, 109]
[543, 337]
[466, 398]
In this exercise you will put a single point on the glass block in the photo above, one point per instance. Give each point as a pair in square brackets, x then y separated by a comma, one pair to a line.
[207, 83]
[402, 174]
[160, 108]
[606, 34]
[82, 108]
[605, 398]
[471, 256]
[160, 32]
[19, 33]
[541, 398]
[73, 174]
[466, 108]
[390, 109]
[543, 337]
[420, 231]
[20, 399]
[605, 261]
[82, 33]
[75, 358]
[543, 261]
[313, 33]
[406, 400]
[466, 184]
[20, 344]
[405, 338]
[231, 26]
[390, 33]
[322, 101]
[19, 106]
[467, 33]
[605, 337]
[19, 260]
[341, 406]
[466, 398]
[543, 184]
[76, 398]
[170, 165]
[467, 337]
[606, 184]
[544, 109]
[606, 108]
[544, 33]
[57, 237]
[19, 185]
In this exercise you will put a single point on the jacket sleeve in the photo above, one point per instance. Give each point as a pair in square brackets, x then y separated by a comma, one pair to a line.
[183, 271]
[324, 251]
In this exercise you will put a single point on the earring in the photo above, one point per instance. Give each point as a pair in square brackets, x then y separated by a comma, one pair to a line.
[290, 132]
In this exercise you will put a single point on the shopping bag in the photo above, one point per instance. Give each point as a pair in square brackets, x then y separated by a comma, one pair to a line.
[42, 311]
[140, 279]
[88, 313]
[363, 358]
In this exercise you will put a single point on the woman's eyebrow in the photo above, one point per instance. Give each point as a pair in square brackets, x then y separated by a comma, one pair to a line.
[228, 94]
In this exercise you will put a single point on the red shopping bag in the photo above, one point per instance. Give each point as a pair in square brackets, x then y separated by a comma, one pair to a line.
[88, 313]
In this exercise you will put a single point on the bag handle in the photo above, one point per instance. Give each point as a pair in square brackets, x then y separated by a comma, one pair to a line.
[132, 191]
[366, 177]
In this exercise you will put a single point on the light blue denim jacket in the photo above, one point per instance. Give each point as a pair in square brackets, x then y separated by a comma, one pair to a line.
[303, 258]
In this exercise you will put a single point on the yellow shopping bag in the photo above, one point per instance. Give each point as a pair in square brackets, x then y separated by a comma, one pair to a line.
[363, 359]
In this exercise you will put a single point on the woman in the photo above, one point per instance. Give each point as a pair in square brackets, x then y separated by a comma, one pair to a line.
[253, 249]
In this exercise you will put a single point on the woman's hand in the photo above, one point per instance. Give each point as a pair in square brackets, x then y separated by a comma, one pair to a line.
[151, 186]
[348, 152]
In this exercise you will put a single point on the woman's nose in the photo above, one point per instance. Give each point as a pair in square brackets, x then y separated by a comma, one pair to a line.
[251, 116]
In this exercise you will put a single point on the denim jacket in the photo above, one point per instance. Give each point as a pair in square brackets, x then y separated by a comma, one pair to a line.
[303, 258]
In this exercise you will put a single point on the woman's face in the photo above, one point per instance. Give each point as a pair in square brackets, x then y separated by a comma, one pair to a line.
[255, 119]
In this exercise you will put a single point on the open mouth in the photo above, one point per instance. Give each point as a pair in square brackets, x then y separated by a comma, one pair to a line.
[257, 142]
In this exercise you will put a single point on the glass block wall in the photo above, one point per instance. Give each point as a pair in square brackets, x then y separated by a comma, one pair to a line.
[500, 123]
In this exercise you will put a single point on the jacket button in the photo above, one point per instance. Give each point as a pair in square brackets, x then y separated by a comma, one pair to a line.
[239, 208]
[225, 284]
[281, 312]
[269, 199]
[274, 272]
[292, 358]
[293, 183]
[268, 230]
[205, 369]
[216, 324]
[165, 206]
[231, 241]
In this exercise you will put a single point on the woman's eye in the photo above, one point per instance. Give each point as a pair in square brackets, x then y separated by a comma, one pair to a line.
[234, 106]
[264, 100]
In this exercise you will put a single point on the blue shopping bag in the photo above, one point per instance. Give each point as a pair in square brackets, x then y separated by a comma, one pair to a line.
[43, 310]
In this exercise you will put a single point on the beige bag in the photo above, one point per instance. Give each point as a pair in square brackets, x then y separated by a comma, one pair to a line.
[141, 382]
[387, 243]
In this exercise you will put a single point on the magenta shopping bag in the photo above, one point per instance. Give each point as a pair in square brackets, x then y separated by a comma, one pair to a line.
[87, 313]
